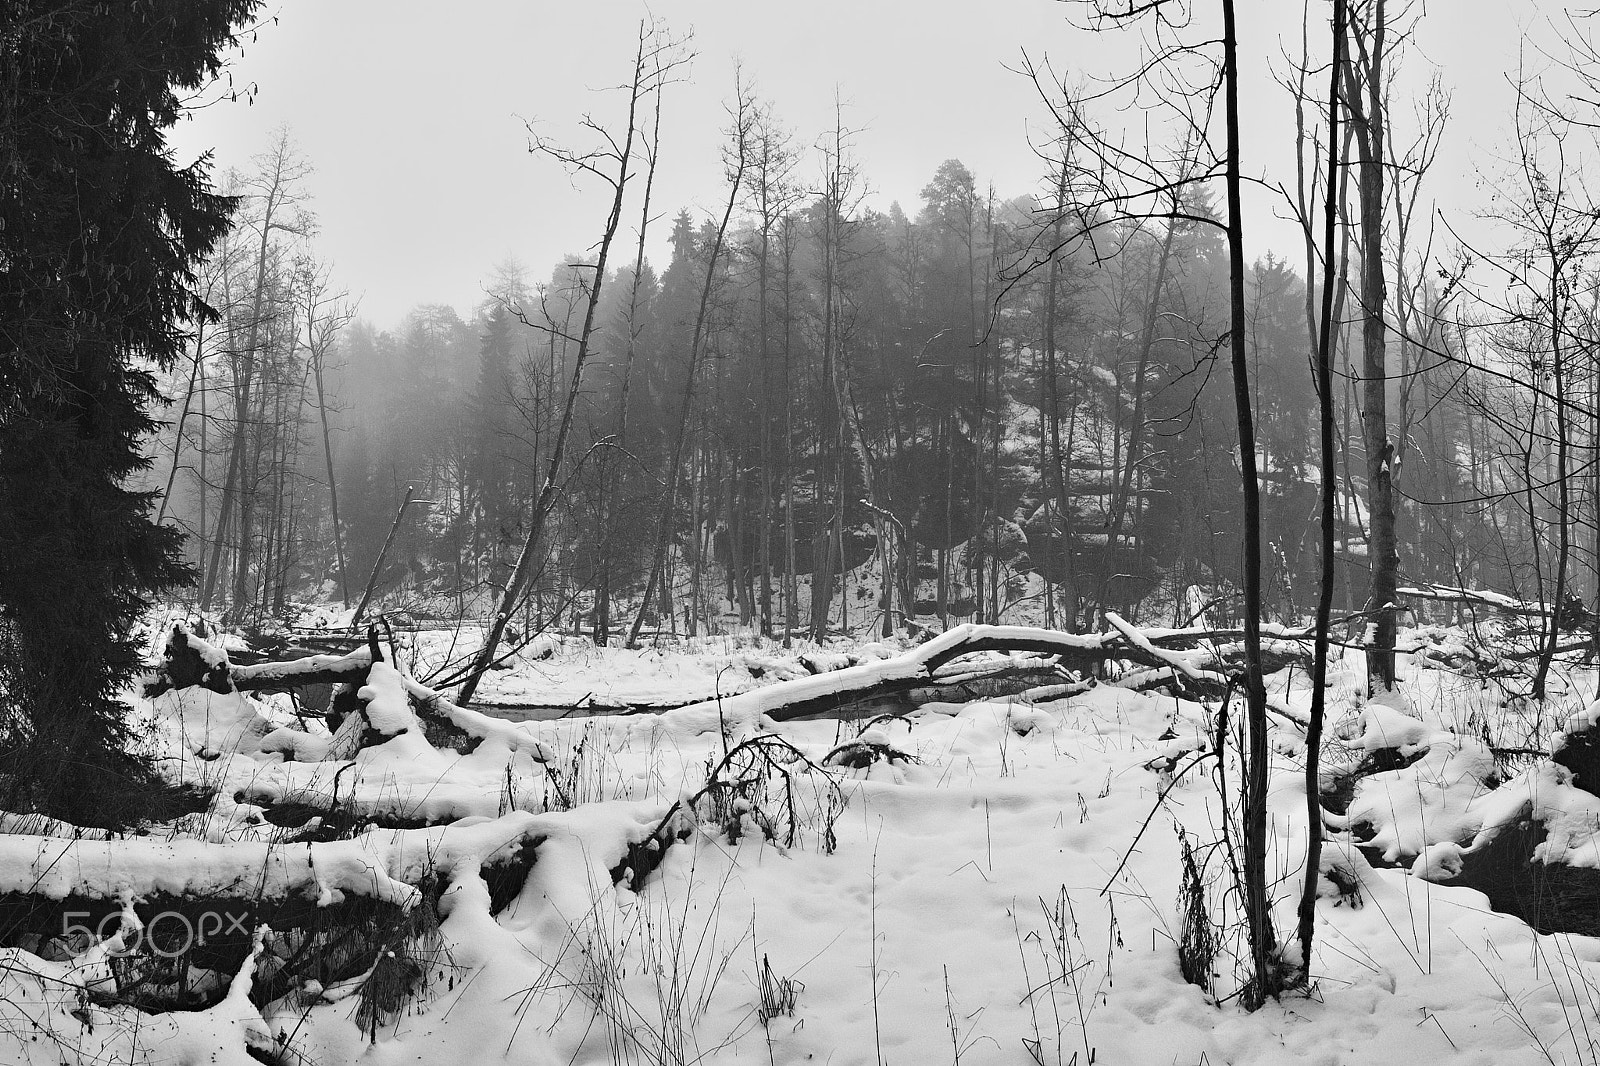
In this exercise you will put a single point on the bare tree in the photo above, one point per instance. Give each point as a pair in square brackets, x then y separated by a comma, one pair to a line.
[1323, 329]
[1542, 327]
[737, 162]
[326, 313]
[839, 193]
[772, 194]
[635, 325]
[1119, 184]
[277, 190]
[612, 164]
[1366, 106]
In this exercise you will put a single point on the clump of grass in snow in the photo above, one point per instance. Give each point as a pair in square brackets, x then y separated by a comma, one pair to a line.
[1062, 969]
[778, 994]
[1197, 938]
[580, 777]
[406, 965]
[648, 967]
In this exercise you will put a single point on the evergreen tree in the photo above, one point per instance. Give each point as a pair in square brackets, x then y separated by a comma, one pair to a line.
[99, 236]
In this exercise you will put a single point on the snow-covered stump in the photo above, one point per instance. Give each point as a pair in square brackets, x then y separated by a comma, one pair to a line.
[398, 754]
[1577, 748]
[189, 660]
[405, 757]
[1536, 852]
[1440, 808]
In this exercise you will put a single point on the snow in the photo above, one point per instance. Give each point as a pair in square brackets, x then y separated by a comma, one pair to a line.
[1583, 721]
[1006, 892]
[1384, 727]
[104, 869]
[1488, 598]
[571, 672]
[1544, 794]
[1435, 799]
[1442, 861]
[48, 1019]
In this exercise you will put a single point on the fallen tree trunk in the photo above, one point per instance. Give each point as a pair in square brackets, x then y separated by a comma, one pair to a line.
[1475, 597]
[177, 939]
[190, 659]
[350, 668]
[1195, 661]
[1203, 659]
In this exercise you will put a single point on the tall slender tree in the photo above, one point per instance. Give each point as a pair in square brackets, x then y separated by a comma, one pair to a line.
[1323, 331]
[736, 163]
[613, 165]
[1364, 77]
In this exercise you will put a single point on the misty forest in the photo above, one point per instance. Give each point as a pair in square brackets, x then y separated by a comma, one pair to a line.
[1040, 622]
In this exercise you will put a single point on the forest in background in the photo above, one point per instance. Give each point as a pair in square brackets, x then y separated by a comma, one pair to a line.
[992, 405]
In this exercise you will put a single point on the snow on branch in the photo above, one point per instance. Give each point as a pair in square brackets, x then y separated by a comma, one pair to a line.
[925, 665]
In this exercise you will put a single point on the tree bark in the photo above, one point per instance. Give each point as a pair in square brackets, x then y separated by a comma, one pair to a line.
[1369, 122]
[1306, 926]
[1265, 979]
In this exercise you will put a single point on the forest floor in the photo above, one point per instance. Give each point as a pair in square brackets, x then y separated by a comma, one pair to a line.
[999, 881]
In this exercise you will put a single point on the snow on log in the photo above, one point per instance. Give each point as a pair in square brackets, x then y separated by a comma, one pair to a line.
[1479, 597]
[349, 668]
[407, 757]
[53, 868]
[1183, 662]
[923, 665]
[430, 704]
[188, 660]
[383, 865]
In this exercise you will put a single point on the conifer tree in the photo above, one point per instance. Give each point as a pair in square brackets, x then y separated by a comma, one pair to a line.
[100, 232]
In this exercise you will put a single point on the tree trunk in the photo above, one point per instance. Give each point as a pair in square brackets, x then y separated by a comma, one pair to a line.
[664, 528]
[383, 552]
[1265, 978]
[1384, 558]
[545, 501]
[235, 491]
[317, 355]
[1147, 339]
[1306, 928]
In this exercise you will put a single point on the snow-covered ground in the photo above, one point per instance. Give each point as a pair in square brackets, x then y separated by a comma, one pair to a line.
[990, 882]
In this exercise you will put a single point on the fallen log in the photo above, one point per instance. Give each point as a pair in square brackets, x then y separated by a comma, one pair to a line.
[1212, 655]
[189, 659]
[176, 939]
[1195, 661]
[1475, 597]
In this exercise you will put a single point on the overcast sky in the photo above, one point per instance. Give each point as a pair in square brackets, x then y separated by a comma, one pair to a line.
[413, 112]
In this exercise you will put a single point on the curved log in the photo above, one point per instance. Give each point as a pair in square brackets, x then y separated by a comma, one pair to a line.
[1205, 665]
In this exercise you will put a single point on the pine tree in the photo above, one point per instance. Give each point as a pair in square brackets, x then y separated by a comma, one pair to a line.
[100, 233]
